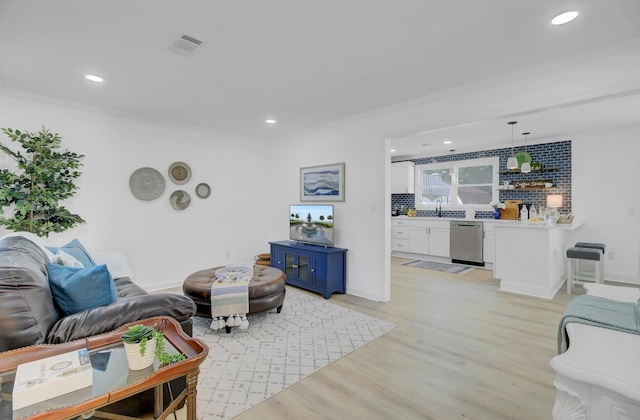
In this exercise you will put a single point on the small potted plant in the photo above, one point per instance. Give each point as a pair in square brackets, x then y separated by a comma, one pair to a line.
[142, 344]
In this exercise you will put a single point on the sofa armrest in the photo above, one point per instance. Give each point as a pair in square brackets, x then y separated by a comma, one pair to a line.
[106, 318]
[621, 293]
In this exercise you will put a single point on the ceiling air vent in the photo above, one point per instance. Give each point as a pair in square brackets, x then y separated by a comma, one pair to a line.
[186, 44]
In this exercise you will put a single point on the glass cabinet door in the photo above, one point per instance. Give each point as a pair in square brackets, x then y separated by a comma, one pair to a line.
[289, 264]
[303, 267]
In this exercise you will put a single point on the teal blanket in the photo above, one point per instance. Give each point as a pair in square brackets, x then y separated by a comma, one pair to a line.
[600, 312]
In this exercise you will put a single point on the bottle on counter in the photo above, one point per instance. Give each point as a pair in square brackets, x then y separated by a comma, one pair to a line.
[524, 214]
[533, 214]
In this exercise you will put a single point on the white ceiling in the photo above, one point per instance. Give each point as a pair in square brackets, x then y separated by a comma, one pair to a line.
[544, 125]
[303, 62]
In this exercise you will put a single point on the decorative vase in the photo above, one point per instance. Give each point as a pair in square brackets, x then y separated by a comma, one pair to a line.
[137, 361]
[496, 214]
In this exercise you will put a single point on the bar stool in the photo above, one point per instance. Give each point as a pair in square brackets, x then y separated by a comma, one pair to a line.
[595, 245]
[574, 255]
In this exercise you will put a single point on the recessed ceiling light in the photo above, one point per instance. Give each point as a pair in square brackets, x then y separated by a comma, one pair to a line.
[270, 121]
[392, 150]
[94, 78]
[447, 142]
[426, 145]
[565, 17]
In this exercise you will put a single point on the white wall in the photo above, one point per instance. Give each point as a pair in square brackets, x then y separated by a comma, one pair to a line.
[359, 220]
[163, 245]
[606, 196]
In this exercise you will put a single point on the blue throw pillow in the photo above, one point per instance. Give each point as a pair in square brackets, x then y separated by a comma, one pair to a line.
[76, 289]
[76, 250]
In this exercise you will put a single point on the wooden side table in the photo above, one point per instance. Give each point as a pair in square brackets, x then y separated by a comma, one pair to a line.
[112, 381]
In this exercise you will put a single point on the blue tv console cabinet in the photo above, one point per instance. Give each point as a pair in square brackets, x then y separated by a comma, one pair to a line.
[311, 267]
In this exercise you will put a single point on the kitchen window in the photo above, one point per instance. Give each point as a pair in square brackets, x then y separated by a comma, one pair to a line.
[457, 184]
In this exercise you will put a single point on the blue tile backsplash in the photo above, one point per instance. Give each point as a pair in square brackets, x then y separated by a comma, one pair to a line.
[551, 155]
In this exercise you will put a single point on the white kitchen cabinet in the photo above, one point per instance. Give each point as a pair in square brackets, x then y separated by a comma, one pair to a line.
[400, 235]
[489, 243]
[419, 240]
[400, 232]
[400, 245]
[425, 237]
[401, 222]
[402, 177]
[439, 242]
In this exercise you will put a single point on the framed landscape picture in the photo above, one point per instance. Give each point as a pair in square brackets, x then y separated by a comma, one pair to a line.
[322, 183]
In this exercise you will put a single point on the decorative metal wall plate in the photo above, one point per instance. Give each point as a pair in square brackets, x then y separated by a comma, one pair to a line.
[180, 199]
[146, 184]
[179, 173]
[203, 190]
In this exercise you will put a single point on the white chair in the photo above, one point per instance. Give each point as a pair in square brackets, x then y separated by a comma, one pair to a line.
[597, 377]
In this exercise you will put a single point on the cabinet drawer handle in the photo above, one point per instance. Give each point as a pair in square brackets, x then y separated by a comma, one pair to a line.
[295, 266]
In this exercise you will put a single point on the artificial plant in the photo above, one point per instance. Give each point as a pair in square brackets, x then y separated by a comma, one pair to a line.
[43, 178]
[141, 334]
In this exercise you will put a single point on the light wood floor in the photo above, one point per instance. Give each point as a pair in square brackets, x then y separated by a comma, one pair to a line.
[461, 350]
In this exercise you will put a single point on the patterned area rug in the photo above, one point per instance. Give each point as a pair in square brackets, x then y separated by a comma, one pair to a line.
[432, 265]
[245, 367]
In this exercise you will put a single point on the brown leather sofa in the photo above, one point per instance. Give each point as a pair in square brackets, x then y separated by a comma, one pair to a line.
[28, 315]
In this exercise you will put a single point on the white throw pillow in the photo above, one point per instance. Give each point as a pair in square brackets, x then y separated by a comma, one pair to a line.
[116, 262]
[68, 260]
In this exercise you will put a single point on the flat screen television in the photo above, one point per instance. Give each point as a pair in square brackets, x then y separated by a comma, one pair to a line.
[311, 224]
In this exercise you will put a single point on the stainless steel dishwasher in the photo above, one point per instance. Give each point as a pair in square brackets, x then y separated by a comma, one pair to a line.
[466, 242]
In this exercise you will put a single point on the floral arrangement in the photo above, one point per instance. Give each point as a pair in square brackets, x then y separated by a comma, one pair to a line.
[498, 205]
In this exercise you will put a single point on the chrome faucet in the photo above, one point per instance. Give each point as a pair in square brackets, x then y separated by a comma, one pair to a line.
[439, 208]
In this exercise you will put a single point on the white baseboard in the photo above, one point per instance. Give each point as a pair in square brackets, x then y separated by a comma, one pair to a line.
[365, 294]
[162, 286]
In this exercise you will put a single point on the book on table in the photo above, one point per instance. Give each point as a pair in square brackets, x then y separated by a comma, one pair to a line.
[51, 377]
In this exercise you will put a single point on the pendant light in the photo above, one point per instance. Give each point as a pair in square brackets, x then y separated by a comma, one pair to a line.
[512, 162]
[526, 166]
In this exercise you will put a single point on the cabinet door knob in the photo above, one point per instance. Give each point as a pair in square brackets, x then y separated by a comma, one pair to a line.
[313, 269]
[279, 262]
[295, 266]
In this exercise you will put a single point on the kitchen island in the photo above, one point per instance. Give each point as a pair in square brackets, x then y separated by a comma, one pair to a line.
[530, 259]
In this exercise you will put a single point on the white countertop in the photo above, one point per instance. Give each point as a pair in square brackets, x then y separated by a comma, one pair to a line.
[497, 222]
